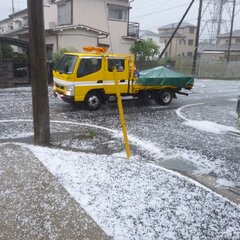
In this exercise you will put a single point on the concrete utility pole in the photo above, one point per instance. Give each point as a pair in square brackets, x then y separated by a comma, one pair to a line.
[194, 66]
[231, 31]
[38, 73]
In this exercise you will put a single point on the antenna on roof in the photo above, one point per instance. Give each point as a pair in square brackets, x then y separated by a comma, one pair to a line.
[13, 10]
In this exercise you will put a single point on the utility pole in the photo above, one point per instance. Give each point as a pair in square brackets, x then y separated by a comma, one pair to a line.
[38, 73]
[194, 66]
[1, 58]
[231, 31]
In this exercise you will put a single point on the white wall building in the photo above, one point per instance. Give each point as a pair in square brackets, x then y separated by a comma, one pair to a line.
[77, 23]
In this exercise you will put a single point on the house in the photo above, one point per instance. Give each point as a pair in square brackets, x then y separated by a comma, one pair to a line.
[77, 23]
[148, 35]
[224, 38]
[16, 26]
[219, 51]
[183, 42]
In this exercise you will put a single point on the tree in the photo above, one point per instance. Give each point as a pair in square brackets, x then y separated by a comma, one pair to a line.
[6, 51]
[144, 49]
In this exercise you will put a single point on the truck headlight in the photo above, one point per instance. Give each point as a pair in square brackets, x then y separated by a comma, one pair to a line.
[70, 90]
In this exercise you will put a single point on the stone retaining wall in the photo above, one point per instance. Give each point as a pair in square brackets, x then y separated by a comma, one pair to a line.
[7, 78]
[6, 74]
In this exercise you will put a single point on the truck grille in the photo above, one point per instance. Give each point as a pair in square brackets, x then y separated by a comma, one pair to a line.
[59, 86]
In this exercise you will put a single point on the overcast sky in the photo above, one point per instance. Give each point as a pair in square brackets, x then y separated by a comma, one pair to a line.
[155, 13]
[151, 14]
[6, 7]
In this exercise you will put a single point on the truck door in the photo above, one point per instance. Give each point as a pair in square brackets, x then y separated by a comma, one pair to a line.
[89, 77]
[122, 72]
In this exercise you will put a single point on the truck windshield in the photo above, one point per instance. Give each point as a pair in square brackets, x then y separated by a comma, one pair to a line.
[66, 64]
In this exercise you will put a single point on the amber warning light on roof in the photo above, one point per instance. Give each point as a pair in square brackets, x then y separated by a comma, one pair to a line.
[95, 49]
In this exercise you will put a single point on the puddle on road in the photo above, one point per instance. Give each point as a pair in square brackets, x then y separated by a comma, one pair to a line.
[189, 169]
[179, 165]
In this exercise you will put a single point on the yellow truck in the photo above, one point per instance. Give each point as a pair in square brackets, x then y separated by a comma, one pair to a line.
[88, 78]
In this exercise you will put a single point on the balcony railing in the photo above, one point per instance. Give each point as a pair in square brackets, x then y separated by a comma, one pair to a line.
[133, 29]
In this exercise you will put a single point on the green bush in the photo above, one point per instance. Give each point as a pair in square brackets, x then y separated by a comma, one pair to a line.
[144, 49]
[21, 58]
[6, 51]
[57, 56]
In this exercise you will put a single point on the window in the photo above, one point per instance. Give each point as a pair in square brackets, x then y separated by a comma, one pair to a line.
[18, 24]
[180, 42]
[191, 30]
[10, 27]
[183, 54]
[118, 63]
[190, 42]
[116, 12]
[67, 64]
[237, 40]
[88, 66]
[65, 13]
[189, 54]
[25, 21]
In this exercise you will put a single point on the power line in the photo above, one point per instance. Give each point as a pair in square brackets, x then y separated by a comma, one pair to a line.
[163, 10]
[149, 3]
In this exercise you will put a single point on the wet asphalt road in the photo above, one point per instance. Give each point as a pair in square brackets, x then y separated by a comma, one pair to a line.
[187, 149]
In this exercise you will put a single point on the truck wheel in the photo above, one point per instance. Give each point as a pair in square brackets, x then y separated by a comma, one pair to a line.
[93, 101]
[164, 97]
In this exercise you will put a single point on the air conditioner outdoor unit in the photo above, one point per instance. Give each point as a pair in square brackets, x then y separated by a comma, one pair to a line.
[52, 25]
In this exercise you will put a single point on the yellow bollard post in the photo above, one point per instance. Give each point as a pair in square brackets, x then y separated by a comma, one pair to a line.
[121, 114]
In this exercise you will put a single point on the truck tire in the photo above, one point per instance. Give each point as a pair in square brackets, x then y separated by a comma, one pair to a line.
[93, 101]
[163, 97]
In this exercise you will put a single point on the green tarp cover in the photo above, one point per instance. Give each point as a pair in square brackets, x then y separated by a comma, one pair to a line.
[161, 76]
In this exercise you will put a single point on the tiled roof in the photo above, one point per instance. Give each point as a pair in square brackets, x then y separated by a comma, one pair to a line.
[174, 25]
[148, 33]
[169, 34]
[19, 12]
[222, 47]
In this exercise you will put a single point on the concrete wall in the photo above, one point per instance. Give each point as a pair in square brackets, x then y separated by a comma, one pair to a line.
[76, 39]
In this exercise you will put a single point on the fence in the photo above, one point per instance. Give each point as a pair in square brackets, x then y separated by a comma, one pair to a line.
[206, 68]
[209, 68]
